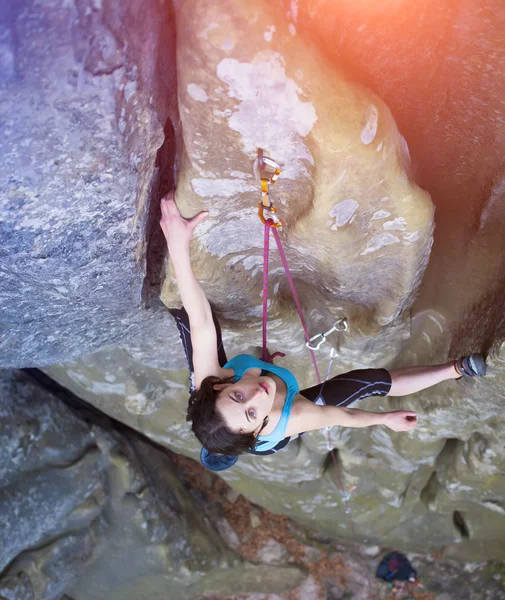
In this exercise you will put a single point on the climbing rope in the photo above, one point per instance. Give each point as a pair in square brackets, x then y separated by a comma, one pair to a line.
[340, 325]
[268, 216]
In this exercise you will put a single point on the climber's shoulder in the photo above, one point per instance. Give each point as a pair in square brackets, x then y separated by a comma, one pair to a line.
[219, 372]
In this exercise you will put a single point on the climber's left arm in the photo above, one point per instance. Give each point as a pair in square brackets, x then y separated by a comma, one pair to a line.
[307, 416]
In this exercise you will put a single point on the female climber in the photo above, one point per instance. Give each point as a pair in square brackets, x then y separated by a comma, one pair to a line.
[247, 405]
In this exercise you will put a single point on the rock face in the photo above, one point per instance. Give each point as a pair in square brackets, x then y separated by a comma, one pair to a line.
[358, 231]
[90, 512]
[94, 513]
[94, 121]
[439, 69]
[440, 486]
[53, 480]
[246, 82]
[80, 138]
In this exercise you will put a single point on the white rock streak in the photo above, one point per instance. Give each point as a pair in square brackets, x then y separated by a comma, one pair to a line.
[379, 241]
[343, 212]
[269, 33]
[224, 188]
[294, 10]
[398, 224]
[411, 236]
[270, 114]
[380, 214]
[242, 231]
[369, 131]
[197, 93]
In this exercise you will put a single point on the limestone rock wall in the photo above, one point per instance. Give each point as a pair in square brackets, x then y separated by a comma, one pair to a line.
[99, 140]
[438, 67]
[91, 509]
[247, 82]
[407, 489]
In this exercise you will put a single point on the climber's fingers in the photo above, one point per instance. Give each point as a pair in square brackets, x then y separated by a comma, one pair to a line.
[196, 220]
[175, 227]
[168, 206]
[169, 210]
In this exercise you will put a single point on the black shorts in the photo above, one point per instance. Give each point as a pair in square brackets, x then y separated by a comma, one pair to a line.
[341, 390]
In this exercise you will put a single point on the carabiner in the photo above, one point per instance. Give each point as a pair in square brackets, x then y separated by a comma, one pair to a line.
[265, 194]
[340, 325]
[323, 339]
[261, 162]
[266, 209]
[276, 222]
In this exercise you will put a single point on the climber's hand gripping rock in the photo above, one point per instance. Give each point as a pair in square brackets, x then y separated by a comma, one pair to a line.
[175, 227]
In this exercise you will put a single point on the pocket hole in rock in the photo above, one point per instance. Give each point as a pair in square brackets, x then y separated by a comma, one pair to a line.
[460, 524]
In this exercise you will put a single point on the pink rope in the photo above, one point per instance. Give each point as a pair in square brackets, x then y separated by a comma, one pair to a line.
[266, 249]
[295, 298]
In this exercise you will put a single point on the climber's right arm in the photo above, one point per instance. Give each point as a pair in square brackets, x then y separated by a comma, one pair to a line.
[192, 295]
[178, 231]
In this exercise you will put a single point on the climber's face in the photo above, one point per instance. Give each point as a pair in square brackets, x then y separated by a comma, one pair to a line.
[245, 404]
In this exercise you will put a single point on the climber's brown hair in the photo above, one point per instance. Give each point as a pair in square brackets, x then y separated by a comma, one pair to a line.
[208, 424]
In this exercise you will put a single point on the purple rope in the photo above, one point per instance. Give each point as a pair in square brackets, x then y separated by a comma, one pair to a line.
[295, 297]
[266, 248]
[307, 339]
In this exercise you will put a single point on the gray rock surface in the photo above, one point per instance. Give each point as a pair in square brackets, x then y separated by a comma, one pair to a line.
[96, 513]
[52, 475]
[403, 490]
[74, 185]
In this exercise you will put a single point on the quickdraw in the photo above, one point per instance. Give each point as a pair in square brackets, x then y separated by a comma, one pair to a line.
[340, 325]
[266, 210]
[272, 221]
